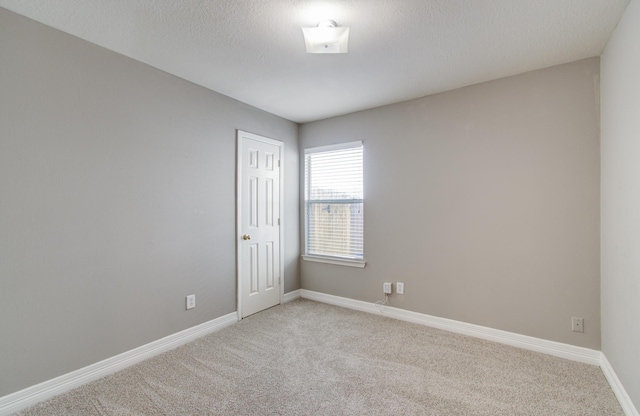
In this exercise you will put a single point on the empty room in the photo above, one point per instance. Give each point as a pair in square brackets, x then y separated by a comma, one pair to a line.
[290, 207]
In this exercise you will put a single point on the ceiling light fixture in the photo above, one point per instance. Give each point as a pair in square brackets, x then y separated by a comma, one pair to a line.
[326, 38]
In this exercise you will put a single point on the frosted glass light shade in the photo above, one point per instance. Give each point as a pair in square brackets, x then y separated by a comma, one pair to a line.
[326, 39]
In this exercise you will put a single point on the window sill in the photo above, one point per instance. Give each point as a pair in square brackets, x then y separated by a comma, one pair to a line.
[335, 260]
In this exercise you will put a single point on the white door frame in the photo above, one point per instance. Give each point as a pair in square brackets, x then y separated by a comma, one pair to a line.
[240, 136]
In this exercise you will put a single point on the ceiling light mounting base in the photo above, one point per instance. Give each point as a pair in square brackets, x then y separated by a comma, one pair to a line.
[327, 37]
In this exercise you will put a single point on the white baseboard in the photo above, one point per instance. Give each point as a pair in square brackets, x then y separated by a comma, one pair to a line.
[45, 390]
[291, 296]
[35, 394]
[558, 349]
[618, 388]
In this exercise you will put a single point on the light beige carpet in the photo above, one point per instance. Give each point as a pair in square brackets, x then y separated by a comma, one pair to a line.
[308, 358]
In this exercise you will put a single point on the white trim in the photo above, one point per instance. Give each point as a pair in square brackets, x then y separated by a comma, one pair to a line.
[47, 389]
[558, 349]
[291, 296]
[332, 147]
[617, 387]
[335, 260]
[239, 136]
[238, 224]
[22, 399]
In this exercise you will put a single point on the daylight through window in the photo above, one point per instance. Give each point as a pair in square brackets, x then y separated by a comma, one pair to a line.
[334, 215]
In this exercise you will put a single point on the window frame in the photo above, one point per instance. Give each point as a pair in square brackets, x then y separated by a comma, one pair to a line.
[336, 260]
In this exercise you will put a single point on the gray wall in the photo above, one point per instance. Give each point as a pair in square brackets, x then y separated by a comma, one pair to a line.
[484, 201]
[621, 201]
[117, 199]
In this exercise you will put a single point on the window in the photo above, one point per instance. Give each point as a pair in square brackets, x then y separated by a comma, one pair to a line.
[333, 202]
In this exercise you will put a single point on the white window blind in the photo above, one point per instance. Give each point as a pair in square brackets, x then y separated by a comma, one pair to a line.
[334, 211]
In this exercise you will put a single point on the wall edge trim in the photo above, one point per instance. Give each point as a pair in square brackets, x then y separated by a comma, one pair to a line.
[32, 395]
[558, 349]
[29, 396]
[618, 389]
[291, 296]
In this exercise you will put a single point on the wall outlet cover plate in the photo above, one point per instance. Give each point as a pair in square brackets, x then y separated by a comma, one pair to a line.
[191, 301]
[386, 288]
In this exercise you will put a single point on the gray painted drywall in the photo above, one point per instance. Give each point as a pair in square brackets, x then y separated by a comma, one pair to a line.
[620, 67]
[117, 199]
[484, 201]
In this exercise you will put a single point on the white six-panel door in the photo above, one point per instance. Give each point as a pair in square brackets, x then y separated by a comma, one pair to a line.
[259, 249]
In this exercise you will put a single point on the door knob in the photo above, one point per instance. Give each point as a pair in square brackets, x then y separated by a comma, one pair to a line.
[246, 237]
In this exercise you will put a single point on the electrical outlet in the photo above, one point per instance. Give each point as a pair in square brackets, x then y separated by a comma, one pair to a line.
[400, 288]
[386, 288]
[191, 301]
[577, 324]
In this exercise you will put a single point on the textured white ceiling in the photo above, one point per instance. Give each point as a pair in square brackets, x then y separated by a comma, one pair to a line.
[253, 50]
